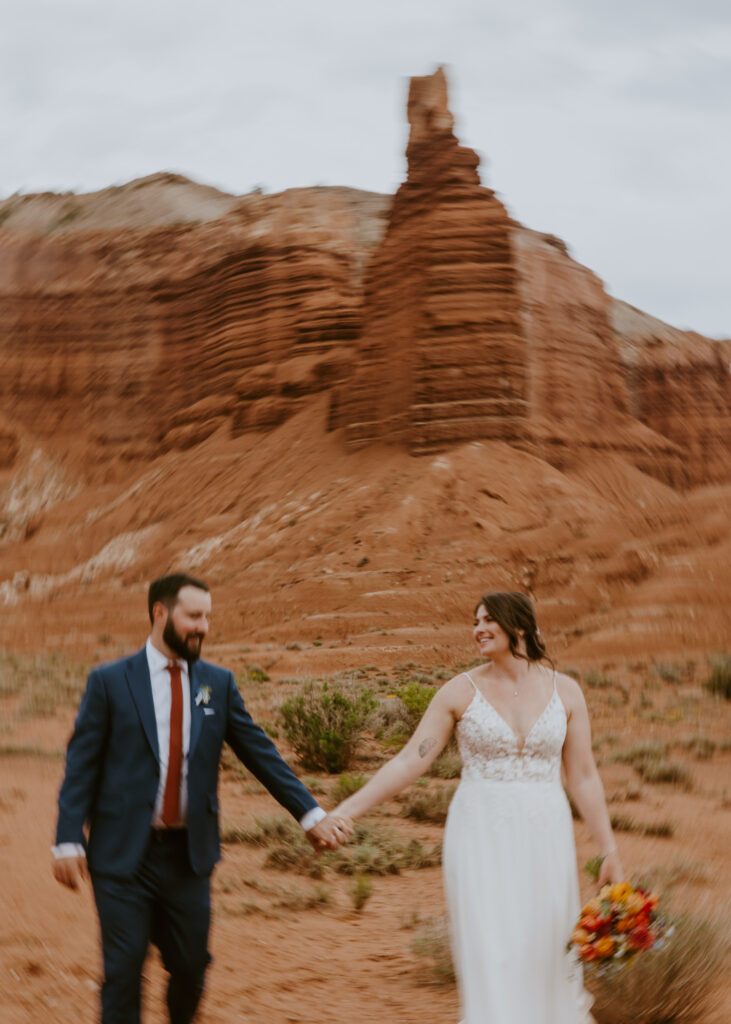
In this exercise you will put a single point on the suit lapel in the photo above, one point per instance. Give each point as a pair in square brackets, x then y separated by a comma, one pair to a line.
[196, 711]
[138, 680]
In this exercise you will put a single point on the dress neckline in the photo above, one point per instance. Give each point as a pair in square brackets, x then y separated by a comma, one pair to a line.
[520, 743]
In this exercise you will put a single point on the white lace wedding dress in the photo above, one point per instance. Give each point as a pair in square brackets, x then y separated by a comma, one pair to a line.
[510, 872]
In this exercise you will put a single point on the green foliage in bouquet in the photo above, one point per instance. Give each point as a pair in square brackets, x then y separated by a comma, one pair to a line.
[324, 724]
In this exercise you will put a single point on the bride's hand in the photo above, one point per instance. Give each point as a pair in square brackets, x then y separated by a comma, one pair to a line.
[610, 871]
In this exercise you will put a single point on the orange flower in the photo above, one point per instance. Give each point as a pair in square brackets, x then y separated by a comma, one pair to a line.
[591, 923]
[635, 903]
[619, 892]
[580, 936]
[605, 946]
[626, 924]
[588, 953]
[592, 907]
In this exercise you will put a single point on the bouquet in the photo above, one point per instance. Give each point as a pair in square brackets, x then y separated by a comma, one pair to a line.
[616, 925]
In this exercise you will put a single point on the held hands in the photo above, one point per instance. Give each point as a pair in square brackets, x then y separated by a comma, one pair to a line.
[610, 871]
[70, 871]
[330, 833]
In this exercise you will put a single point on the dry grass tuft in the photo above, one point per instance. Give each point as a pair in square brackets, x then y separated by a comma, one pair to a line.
[669, 986]
[429, 804]
[624, 823]
[44, 683]
[346, 785]
[432, 942]
[718, 680]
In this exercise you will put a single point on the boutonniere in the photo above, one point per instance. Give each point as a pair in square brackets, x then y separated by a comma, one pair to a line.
[203, 696]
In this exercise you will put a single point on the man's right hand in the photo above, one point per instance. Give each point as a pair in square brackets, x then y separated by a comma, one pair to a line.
[70, 871]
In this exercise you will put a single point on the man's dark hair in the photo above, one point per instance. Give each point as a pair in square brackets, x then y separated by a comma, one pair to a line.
[167, 588]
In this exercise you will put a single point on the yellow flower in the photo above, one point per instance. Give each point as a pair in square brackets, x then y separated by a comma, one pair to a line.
[634, 904]
[619, 892]
[604, 946]
[592, 907]
[580, 936]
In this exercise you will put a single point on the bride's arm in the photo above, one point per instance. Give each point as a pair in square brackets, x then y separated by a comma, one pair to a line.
[583, 781]
[427, 742]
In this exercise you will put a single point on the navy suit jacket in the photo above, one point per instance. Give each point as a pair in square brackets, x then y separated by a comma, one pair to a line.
[113, 767]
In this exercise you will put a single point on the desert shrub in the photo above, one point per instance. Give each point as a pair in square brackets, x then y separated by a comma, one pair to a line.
[45, 682]
[416, 698]
[361, 890]
[302, 899]
[669, 672]
[449, 764]
[701, 746]
[265, 832]
[665, 771]
[718, 680]
[664, 829]
[670, 985]
[347, 785]
[641, 753]
[378, 851]
[429, 804]
[256, 674]
[575, 812]
[399, 713]
[680, 871]
[314, 784]
[324, 725]
[625, 823]
[432, 942]
[597, 680]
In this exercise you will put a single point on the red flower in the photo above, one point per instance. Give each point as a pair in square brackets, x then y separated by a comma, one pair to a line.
[641, 938]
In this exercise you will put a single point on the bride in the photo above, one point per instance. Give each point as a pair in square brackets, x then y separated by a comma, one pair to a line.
[509, 857]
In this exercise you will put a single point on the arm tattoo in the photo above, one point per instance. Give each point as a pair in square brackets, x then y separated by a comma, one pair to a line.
[426, 745]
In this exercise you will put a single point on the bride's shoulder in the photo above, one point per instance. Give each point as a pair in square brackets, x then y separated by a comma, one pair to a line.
[569, 690]
[458, 692]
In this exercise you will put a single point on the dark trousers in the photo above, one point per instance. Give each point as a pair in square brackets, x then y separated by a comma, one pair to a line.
[163, 903]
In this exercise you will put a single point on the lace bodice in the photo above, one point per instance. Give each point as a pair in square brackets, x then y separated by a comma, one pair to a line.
[491, 750]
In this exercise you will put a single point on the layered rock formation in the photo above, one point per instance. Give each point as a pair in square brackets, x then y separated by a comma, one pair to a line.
[442, 357]
[156, 336]
[679, 385]
[151, 315]
[475, 327]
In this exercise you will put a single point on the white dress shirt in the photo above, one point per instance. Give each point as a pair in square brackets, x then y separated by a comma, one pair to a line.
[162, 698]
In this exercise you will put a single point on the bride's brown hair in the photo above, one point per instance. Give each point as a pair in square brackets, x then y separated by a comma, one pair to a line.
[514, 613]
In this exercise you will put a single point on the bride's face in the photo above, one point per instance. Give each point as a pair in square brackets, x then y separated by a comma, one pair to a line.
[489, 636]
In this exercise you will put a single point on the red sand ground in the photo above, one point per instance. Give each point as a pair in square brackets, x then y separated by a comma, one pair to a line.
[332, 563]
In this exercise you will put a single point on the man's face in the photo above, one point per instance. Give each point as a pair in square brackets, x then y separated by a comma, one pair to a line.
[187, 623]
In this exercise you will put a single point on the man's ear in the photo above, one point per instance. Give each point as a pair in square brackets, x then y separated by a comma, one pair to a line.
[159, 612]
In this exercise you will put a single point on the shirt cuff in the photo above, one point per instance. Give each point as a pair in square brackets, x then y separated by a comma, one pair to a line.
[313, 817]
[68, 850]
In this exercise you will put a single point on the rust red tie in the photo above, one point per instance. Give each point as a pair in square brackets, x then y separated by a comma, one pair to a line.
[171, 797]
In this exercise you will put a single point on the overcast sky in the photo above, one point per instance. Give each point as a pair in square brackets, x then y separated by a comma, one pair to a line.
[606, 122]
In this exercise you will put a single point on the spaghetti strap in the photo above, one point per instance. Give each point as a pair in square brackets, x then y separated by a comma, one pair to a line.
[554, 681]
[472, 681]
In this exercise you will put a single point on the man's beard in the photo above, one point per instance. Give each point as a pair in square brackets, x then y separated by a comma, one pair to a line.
[181, 644]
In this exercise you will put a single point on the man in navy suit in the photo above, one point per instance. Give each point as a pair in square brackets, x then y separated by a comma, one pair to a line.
[142, 774]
